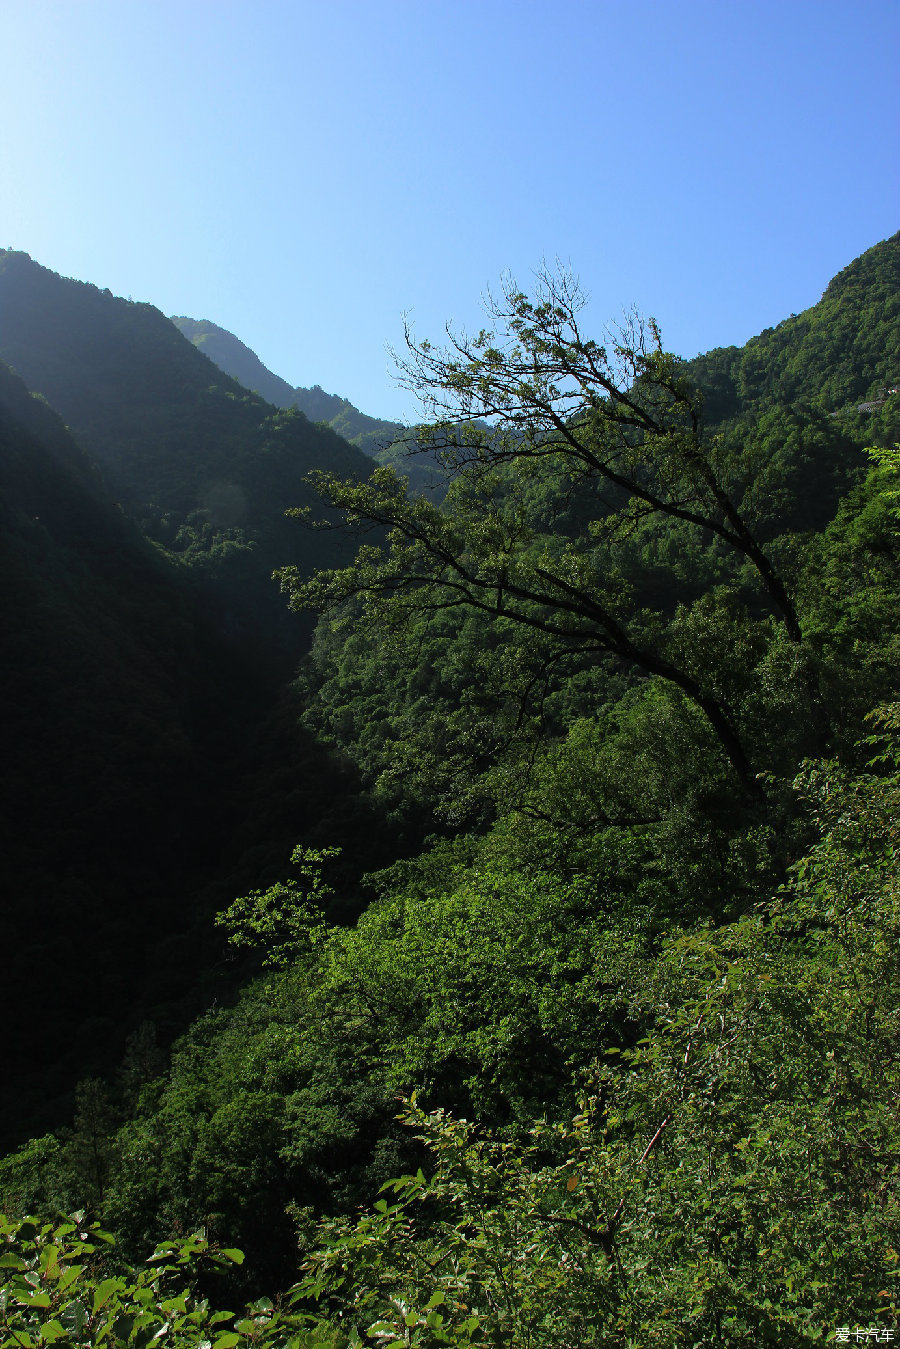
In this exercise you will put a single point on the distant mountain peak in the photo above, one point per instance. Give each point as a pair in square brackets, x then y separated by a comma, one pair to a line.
[235, 358]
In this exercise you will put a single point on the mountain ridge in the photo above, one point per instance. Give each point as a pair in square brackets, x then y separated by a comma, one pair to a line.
[207, 468]
[233, 356]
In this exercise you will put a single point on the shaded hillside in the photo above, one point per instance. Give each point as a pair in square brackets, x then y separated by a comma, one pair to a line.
[207, 468]
[237, 360]
[123, 718]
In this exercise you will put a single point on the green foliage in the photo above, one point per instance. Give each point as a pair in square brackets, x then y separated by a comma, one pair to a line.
[286, 919]
[590, 510]
[61, 1284]
[593, 667]
[886, 462]
[850, 592]
[732, 1178]
[422, 712]
[487, 988]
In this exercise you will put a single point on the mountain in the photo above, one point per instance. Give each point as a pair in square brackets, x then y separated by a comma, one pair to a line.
[798, 404]
[837, 354]
[370, 434]
[591, 904]
[207, 468]
[237, 360]
[145, 651]
[388, 443]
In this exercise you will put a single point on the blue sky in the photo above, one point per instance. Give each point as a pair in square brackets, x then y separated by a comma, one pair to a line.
[305, 174]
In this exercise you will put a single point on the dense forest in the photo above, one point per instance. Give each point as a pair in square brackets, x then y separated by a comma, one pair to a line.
[511, 958]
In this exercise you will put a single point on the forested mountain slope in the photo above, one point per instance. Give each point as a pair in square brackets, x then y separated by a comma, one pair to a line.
[624, 702]
[123, 715]
[839, 353]
[370, 434]
[789, 451]
[206, 467]
[237, 360]
[386, 442]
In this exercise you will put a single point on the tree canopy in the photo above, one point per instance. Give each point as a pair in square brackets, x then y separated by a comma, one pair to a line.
[537, 422]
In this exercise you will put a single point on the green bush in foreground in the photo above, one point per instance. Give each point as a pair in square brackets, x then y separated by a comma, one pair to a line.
[60, 1284]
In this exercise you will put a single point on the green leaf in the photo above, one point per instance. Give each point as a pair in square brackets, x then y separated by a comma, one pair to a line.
[52, 1330]
[73, 1316]
[104, 1291]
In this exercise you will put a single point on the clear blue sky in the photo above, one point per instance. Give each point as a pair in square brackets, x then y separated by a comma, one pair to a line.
[306, 173]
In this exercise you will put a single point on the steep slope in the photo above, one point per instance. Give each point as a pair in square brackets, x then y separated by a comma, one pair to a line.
[388, 443]
[231, 355]
[370, 434]
[797, 405]
[835, 355]
[498, 965]
[206, 467]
